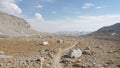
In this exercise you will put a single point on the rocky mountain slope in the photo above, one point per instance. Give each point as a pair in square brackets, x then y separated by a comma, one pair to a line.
[109, 32]
[115, 27]
[13, 26]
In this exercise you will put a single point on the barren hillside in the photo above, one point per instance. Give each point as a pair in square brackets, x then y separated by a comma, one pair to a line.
[13, 26]
[110, 32]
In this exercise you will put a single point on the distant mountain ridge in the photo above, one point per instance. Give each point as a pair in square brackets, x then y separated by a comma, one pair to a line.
[109, 32]
[72, 33]
[115, 27]
[11, 26]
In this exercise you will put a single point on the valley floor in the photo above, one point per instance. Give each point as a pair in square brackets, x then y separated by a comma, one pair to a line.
[27, 53]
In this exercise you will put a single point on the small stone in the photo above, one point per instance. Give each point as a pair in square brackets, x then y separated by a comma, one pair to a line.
[66, 60]
[42, 59]
[47, 65]
[105, 65]
[43, 43]
[87, 52]
[60, 41]
[110, 51]
[38, 60]
[72, 61]
[88, 48]
[1, 52]
[1, 64]
[81, 65]
[50, 55]
[97, 47]
[79, 60]
[118, 65]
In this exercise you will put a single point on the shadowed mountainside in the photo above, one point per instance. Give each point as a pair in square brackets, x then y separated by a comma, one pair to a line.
[109, 32]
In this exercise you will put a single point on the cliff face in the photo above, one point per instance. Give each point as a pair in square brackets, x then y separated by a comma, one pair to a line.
[13, 26]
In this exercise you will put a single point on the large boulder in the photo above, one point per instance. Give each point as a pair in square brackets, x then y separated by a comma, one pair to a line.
[75, 53]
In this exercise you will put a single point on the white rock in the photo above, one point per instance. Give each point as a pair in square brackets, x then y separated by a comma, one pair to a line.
[75, 53]
[44, 43]
[113, 33]
[1, 52]
[42, 59]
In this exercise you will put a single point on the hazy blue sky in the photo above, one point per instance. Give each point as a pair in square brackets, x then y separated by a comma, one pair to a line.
[64, 15]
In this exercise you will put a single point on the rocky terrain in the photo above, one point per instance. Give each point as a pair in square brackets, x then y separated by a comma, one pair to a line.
[29, 52]
[96, 50]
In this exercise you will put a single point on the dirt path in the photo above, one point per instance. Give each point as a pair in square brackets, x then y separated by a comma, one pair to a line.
[58, 56]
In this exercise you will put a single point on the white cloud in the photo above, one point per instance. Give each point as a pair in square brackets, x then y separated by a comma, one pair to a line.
[54, 12]
[79, 23]
[39, 6]
[90, 5]
[99, 7]
[50, 1]
[10, 6]
[39, 17]
[19, 0]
